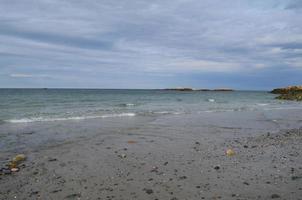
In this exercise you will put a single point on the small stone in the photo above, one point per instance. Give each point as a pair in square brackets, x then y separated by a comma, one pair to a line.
[275, 196]
[73, 196]
[6, 171]
[14, 169]
[148, 191]
[182, 177]
[217, 167]
[52, 159]
[246, 183]
[123, 156]
[154, 169]
[296, 177]
[245, 146]
[19, 158]
[230, 152]
[165, 163]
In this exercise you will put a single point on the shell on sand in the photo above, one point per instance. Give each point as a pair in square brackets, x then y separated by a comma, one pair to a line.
[14, 169]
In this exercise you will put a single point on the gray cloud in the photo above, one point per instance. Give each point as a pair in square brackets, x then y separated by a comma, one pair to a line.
[127, 38]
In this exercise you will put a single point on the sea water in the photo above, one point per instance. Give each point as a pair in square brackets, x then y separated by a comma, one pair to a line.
[42, 105]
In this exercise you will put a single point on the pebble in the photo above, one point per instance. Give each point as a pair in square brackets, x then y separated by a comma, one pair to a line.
[148, 191]
[217, 167]
[52, 159]
[275, 196]
[6, 171]
[230, 152]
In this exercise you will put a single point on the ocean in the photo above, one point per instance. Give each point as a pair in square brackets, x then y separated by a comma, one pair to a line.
[42, 105]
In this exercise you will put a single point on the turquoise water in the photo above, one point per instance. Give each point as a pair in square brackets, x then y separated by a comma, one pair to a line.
[30, 105]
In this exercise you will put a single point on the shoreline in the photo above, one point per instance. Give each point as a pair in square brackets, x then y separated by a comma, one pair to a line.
[166, 157]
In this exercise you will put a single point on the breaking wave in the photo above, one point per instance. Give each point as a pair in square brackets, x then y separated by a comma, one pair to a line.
[42, 119]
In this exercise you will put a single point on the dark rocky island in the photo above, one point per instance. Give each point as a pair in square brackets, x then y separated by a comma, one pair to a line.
[202, 90]
[293, 93]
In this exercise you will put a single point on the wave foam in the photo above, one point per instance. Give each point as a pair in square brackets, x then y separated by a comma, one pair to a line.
[41, 119]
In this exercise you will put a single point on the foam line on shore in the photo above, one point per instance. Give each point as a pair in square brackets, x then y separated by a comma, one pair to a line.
[41, 119]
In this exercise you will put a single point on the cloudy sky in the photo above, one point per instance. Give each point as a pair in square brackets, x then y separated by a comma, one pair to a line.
[241, 44]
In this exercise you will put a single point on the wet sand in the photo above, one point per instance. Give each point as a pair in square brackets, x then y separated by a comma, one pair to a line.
[168, 157]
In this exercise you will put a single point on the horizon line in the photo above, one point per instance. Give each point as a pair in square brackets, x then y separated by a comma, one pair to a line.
[84, 88]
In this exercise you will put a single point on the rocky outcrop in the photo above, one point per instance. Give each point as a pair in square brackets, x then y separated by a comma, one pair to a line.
[223, 90]
[180, 89]
[289, 93]
[191, 89]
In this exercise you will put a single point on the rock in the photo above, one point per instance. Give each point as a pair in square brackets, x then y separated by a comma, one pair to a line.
[223, 90]
[52, 159]
[123, 156]
[289, 93]
[19, 158]
[148, 191]
[180, 89]
[217, 167]
[230, 152]
[73, 196]
[275, 196]
[287, 90]
[182, 177]
[16, 161]
[5, 171]
[296, 177]
[154, 169]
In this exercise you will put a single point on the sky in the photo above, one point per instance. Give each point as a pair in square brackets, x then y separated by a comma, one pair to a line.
[240, 44]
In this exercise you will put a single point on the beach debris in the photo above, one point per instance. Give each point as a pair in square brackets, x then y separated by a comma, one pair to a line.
[148, 191]
[131, 142]
[211, 100]
[230, 152]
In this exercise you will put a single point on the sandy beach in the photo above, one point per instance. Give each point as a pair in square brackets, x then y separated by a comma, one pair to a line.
[169, 157]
